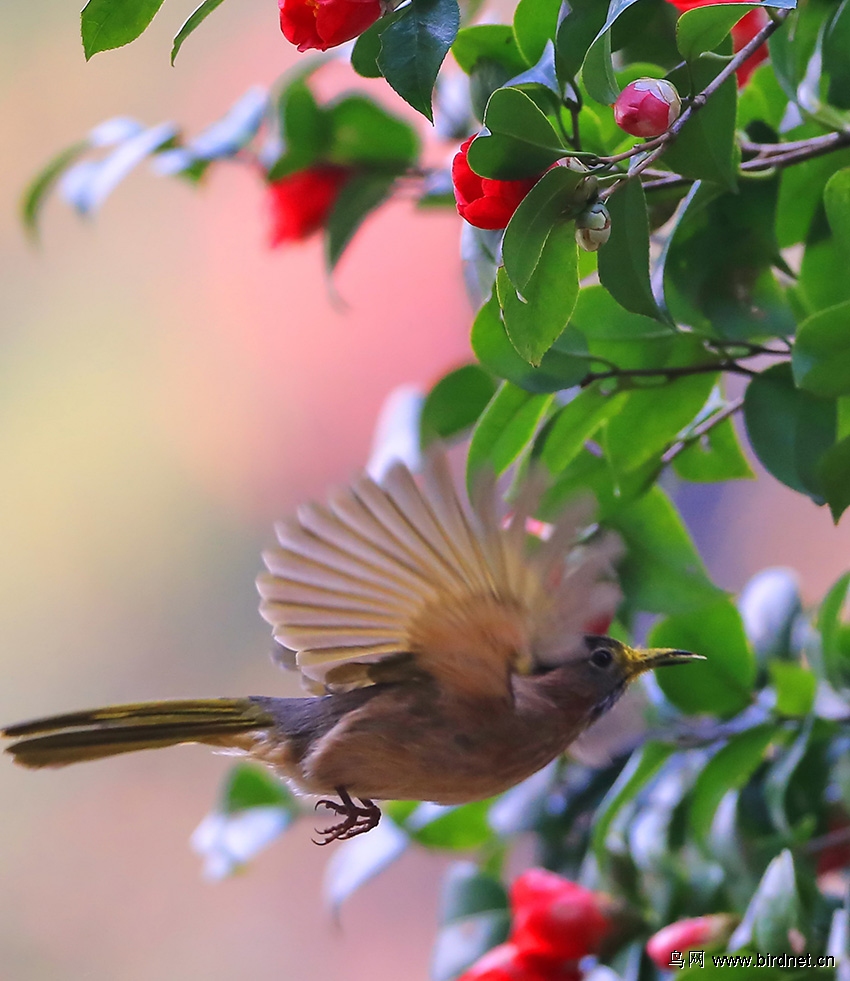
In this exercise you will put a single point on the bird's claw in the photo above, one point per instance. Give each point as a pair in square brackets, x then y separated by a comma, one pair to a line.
[358, 818]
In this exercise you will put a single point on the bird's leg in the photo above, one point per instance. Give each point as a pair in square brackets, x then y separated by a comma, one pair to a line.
[357, 820]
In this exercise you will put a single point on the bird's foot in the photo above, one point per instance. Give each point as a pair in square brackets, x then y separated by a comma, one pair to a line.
[357, 818]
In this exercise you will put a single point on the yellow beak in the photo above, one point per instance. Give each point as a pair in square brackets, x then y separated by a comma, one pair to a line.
[657, 657]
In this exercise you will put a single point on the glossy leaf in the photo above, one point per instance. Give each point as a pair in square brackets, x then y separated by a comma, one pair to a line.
[789, 429]
[704, 28]
[106, 24]
[367, 47]
[535, 318]
[505, 429]
[494, 350]
[821, 357]
[723, 683]
[662, 572]
[624, 259]
[493, 42]
[455, 403]
[535, 23]
[192, 23]
[413, 47]
[546, 204]
[598, 71]
[581, 24]
[358, 197]
[729, 769]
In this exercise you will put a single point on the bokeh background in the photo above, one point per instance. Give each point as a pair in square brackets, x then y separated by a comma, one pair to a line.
[169, 387]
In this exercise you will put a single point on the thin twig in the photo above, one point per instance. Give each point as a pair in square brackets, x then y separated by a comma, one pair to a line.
[668, 373]
[699, 431]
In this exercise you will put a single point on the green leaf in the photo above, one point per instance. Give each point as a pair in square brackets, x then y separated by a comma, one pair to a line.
[723, 683]
[581, 24]
[836, 200]
[729, 769]
[706, 149]
[795, 686]
[535, 24]
[364, 134]
[821, 356]
[774, 910]
[574, 424]
[714, 457]
[493, 42]
[780, 776]
[504, 430]
[455, 403]
[823, 281]
[44, 182]
[705, 28]
[106, 24]
[192, 22]
[494, 350]
[473, 917]
[624, 259]
[413, 48]
[367, 47]
[546, 204]
[652, 418]
[249, 785]
[598, 71]
[790, 430]
[359, 196]
[662, 572]
[518, 141]
[535, 319]
[306, 130]
[832, 622]
[802, 190]
[454, 828]
[834, 473]
[640, 769]
[836, 44]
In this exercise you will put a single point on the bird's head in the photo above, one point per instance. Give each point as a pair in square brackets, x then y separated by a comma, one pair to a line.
[607, 666]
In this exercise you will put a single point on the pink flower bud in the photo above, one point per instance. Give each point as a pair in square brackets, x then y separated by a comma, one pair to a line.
[698, 933]
[647, 107]
[593, 227]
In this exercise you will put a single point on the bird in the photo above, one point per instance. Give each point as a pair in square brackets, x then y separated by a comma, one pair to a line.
[447, 653]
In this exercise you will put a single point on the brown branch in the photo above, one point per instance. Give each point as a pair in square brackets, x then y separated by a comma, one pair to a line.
[667, 373]
[699, 431]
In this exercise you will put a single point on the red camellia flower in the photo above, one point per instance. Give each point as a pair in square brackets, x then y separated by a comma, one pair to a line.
[698, 933]
[647, 107]
[745, 30]
[556, 917]
[300, 203]
[483, 202]
[323, 24]
[509, 962]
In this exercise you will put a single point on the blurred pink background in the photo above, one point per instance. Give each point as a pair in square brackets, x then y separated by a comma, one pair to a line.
[169, 388]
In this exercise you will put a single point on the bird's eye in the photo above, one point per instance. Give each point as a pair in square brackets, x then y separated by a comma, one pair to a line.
[601, 658]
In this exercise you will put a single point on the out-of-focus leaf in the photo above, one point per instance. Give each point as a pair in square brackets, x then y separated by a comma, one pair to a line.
[413, 47]
[782, 772]
[455, 403]
[774, 909]
[729, 769]
[518, 141]
[705, 149]
[496, 42]
[248, 785]
[536, 317]
[722, 684]
[454, 828]
[624, 259]
[836, 44]
[640, 769]
[44, 182]
[834, 473]
[836, 200]
[504, 430]
[716, 456]
[106, 24]
[662, 572]
[834, 627]
[87, 185]
[790, 430]
[546, 204]
[821, 357]
[769, 604]
[575, 423]
[364, 134]
[305, 128]
[535, 23]
[357, 861]
[473, 917]
[358, 197]
[192, 22]
[493, 349]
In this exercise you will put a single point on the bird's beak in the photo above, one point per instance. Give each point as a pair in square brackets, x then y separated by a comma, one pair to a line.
[658, 657]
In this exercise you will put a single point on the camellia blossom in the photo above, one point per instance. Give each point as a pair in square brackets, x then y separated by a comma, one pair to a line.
[698, 933]
[509, 962]
[323, 24]
[483, 202]
[743, 32]
[647, 107]
[300, 203]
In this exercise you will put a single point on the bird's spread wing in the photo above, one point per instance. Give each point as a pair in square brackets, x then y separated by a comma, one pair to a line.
[399, 578]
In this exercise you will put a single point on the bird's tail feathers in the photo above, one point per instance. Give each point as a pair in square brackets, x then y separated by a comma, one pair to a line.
[95, 733]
